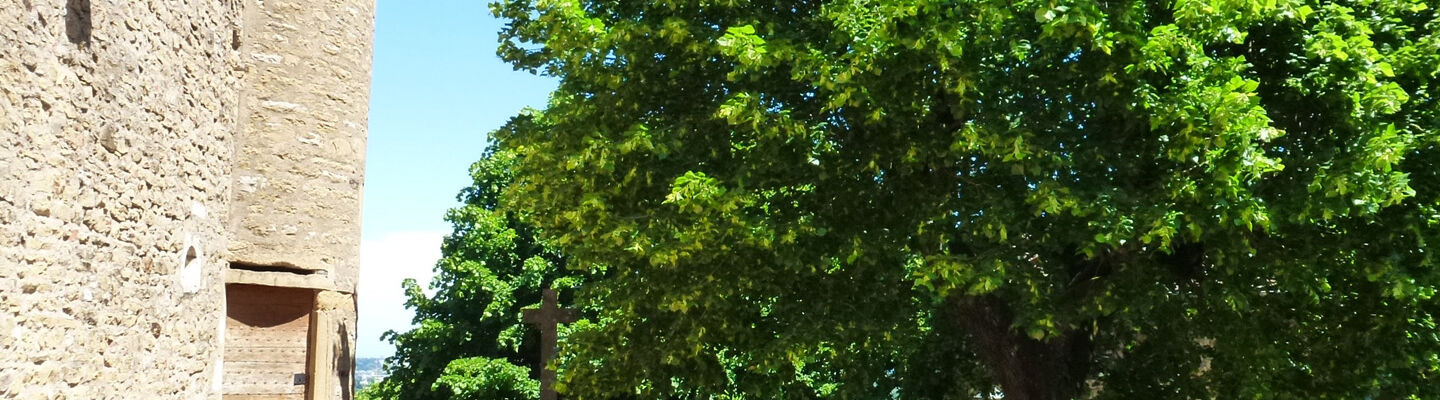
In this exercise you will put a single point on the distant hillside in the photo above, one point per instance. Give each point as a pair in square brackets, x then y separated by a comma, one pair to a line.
[368, 371]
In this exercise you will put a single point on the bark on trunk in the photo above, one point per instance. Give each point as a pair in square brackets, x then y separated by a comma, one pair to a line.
[1026, 369]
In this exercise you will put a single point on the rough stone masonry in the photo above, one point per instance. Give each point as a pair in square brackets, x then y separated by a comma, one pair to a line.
[180, 192]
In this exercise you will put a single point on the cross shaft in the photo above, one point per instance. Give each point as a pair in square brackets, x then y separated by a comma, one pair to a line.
[547, 318]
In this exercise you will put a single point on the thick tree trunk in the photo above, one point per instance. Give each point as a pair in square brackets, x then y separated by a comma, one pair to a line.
[1026, 369]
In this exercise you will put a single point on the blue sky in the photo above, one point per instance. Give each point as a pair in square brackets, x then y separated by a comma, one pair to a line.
[437, 90]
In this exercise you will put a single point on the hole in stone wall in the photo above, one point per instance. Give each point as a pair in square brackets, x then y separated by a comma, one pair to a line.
[190, 256]
[192, 268]
[77, 21]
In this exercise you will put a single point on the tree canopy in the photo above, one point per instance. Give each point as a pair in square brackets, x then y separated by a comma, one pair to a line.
[941, 199]
[469, 342]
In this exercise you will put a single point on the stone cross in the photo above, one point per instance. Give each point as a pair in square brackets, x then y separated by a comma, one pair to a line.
[546, 318]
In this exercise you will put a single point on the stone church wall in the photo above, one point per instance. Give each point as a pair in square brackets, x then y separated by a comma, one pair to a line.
[145, 146]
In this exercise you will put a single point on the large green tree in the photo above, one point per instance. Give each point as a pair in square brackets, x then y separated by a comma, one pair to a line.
[939, 199]
[469, 342]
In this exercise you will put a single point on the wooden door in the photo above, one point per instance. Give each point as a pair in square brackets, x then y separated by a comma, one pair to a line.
[266, 336]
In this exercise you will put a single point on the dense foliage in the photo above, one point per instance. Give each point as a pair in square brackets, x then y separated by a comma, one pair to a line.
[939, 199]
[469, 342]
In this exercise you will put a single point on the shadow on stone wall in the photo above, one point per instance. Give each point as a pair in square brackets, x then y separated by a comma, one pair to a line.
[345, 363]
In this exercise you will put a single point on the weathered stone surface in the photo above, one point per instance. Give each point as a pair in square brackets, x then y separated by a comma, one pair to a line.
[144, 146]
[279, 279]
[301, 159]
